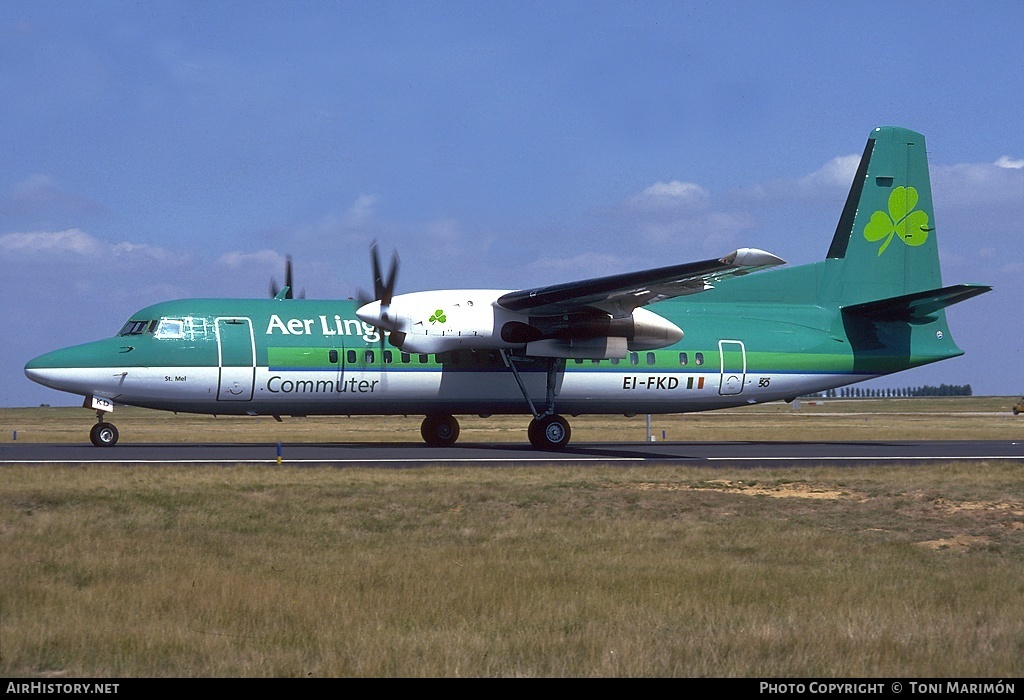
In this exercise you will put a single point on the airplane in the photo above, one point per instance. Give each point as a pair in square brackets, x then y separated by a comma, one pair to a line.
[696, 336]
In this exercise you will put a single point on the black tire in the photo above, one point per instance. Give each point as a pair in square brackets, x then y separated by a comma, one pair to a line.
[103, 435]
[440, 431]
[549, 432]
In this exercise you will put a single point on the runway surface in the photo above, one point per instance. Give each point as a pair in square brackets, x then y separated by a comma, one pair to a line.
[411, 455]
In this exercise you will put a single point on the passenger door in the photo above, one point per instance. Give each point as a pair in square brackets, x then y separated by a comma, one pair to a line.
[236, 359]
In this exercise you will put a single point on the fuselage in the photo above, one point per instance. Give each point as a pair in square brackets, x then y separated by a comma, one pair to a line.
[307, 357]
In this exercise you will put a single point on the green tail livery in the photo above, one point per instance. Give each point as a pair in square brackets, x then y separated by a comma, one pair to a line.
[695, 336]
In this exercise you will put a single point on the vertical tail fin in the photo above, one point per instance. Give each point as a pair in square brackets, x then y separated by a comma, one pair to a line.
[885, 243]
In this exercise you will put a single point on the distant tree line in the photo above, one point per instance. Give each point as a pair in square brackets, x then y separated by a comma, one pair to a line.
[857, 392]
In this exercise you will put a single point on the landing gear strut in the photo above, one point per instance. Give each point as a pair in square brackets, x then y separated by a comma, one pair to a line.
[548, 430]
[103, 434]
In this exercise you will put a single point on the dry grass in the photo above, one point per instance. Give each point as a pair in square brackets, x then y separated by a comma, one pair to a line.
[569, 571]
[980, 418]
[270, 571]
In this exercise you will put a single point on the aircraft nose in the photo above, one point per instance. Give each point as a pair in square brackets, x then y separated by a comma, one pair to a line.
[47, 368]
[79, 369]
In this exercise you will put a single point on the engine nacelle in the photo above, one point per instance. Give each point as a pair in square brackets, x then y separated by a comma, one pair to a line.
[439, 321]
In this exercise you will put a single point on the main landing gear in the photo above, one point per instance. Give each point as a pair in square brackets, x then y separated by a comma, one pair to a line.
[547, 431]
[440, 431]
[103, 434]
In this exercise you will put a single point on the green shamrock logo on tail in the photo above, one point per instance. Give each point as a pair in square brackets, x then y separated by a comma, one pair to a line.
[910, 224]
[438, 317]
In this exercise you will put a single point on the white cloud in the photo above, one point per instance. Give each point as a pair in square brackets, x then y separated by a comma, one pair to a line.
[838, 172]
[69, 242]
[834, 176]
[1007, 162]
[148, 251]
[262, 258]
[73, 243]
[1001, 182]
[672, 195]
[361, 210]
[712, 233]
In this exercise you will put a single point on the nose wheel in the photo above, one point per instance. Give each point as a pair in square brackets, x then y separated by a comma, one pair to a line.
[103, 434]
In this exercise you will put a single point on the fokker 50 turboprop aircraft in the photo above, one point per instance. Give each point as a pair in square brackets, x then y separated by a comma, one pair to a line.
[689, 337]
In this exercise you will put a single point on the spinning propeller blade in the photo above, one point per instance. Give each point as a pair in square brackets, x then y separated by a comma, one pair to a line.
[383, 292]
[288, 288]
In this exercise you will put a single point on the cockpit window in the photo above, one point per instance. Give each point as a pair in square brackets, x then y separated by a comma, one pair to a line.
[170, 328]
[134, 328]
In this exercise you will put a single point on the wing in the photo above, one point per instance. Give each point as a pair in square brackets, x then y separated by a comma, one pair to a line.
[620, 294]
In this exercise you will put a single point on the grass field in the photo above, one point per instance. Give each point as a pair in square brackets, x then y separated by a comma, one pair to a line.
[911, 572]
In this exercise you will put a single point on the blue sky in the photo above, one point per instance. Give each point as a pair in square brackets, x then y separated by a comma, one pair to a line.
[180, 149]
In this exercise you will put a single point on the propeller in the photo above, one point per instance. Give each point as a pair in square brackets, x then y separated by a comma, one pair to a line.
[376, 310]
[288, 287]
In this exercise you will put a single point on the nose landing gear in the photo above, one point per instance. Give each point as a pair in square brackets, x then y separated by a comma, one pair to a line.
[103, 434]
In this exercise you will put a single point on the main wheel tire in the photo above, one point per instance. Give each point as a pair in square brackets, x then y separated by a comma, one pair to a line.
[549, 433]
[103, 435]
[440, 431]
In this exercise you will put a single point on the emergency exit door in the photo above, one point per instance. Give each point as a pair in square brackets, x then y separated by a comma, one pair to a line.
[734, 367]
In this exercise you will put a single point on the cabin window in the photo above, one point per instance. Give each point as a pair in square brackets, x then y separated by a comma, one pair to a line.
[197, 328]
[650, 358]
[683, 359]
[615, 360]
[406, 358]
[369, 357]
[134, 328]
[578, 360]
[350, 357]
[387, 357]
[699, 358]
[333, 357]
[424, 359]
[634, 359]
[170, 328]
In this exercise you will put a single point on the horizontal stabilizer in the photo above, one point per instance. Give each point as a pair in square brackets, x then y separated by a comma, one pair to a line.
[918, 306]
